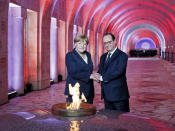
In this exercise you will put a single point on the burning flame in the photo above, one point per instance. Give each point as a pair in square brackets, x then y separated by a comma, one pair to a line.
[76, 101]
[74, 126]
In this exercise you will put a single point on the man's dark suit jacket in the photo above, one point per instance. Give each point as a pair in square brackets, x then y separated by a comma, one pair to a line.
[79, 71]
[114, 84]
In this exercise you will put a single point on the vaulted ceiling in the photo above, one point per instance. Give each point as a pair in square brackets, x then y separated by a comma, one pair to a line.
[129, 20]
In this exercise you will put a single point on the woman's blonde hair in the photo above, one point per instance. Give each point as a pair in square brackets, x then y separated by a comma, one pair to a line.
[79, 38]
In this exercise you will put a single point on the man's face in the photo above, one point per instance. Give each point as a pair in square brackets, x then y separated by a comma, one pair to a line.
[108, 43]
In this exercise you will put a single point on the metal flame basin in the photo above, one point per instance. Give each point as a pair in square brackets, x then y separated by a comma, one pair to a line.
[85, 110]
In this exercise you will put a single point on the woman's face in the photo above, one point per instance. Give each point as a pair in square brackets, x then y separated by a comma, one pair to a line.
[81, 46]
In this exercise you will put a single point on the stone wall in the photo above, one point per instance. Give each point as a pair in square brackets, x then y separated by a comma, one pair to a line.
[3, 51]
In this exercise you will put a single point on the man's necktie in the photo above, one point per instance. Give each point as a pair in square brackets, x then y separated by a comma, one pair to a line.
[108, 58]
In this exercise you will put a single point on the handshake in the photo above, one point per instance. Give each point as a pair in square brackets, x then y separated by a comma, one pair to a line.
[96, 76]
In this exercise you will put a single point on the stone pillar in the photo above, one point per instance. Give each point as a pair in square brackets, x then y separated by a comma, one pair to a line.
[168, 55]
[53, 49]
[172, 57]
[69, 36]
[74, 33]
[32, 48]
[3, 51]
[44, 66]
[68, 43]
[61, 48]
[88, 35]
[16, 54]
[92, 46]
[80, 30]
[100, 47]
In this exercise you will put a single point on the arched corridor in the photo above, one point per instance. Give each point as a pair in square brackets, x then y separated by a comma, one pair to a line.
[36, 35]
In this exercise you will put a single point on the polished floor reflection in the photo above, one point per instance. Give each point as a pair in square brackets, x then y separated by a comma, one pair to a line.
[103, 120]
[152, 91]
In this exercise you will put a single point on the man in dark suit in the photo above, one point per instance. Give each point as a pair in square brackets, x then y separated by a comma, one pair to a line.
[112, 74]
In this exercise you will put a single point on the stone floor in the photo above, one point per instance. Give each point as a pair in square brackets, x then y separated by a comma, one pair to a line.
[152, 91]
